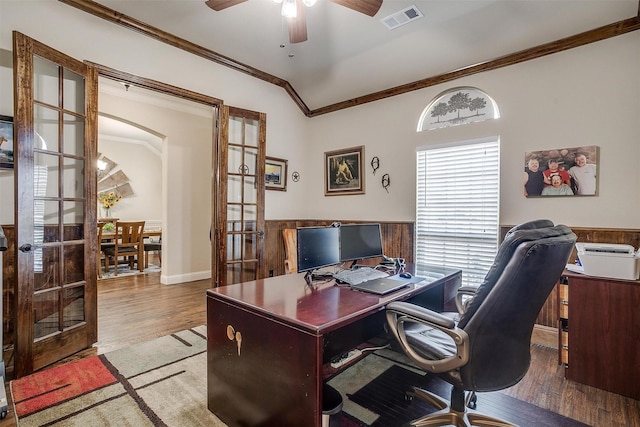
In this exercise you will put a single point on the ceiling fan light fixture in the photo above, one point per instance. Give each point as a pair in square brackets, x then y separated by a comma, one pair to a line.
[289, 9]
[309, 3]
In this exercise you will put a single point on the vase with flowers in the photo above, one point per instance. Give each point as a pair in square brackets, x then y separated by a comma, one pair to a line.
[108, 200]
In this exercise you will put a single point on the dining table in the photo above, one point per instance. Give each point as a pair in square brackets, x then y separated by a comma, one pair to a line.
[110, 235]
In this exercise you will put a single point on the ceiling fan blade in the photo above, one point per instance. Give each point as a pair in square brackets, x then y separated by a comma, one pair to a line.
[219, 5]
[298, 25]
[368, 7]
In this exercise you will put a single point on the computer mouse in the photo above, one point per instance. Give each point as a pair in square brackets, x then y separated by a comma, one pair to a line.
[406, 275]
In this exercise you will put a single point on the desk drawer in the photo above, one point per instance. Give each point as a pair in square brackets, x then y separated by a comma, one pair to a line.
[563, 291]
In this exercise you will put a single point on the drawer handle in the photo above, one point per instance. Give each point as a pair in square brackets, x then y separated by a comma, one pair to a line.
[564, 301]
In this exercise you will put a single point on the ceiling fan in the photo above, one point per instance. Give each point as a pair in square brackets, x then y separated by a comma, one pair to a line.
[298, 24]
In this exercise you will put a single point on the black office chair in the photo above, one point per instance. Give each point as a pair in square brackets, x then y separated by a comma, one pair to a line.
[488, 349]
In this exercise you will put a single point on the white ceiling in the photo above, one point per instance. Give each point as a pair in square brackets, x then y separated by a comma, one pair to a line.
[349, 54]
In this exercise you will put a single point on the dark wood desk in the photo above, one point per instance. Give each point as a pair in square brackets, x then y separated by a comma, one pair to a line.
[268, 340]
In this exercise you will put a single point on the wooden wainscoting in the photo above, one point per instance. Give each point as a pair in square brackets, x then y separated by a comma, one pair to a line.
[546, 331]
[397, 240]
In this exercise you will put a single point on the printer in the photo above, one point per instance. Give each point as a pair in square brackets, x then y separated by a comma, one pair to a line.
[609, 260]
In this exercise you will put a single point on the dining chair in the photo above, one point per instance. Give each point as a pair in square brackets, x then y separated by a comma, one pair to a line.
[151, 245]
[128, 244]
[101, 255]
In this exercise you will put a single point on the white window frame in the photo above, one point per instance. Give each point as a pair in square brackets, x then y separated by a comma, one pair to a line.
[457, 206]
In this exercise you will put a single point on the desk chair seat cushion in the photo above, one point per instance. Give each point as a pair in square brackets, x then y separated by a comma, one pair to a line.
[431, 343]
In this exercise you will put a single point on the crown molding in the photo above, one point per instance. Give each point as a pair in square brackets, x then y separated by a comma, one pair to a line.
[581, 39]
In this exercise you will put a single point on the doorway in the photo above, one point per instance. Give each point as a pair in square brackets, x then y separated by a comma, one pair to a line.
[129, 185]
[159, 146]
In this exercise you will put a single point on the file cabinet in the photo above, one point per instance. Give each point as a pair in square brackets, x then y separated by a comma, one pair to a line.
[599, 323]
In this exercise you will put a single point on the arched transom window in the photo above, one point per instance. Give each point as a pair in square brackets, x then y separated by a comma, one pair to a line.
[458, 106]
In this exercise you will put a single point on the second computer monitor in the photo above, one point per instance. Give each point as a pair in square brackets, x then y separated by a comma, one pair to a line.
[360, 241]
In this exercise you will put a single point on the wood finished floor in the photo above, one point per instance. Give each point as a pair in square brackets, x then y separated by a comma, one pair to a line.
[139, 308]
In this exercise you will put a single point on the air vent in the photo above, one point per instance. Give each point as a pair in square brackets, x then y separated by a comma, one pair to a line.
[402, 17]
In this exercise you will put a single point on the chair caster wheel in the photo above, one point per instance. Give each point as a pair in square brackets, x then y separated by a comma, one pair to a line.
[472, 404]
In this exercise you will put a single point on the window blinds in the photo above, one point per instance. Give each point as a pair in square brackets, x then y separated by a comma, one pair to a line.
[457, 207]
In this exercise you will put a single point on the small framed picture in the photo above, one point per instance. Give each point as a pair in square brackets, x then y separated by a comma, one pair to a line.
[344, 171]
[275, 171]
[6, 142]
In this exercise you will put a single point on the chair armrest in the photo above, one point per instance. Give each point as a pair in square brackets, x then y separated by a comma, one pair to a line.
[400, 312]
[420, 313]
[464, 291]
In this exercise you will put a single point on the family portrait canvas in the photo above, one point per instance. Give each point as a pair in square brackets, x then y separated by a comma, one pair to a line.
[561, 172]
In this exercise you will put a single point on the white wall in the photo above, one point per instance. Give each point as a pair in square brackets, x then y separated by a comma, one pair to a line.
[144, 170]
[585, 96]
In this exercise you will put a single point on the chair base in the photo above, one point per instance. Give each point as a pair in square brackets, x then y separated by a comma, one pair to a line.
[445, 415]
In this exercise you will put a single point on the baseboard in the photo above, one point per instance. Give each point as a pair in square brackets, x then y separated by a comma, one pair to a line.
[182, 278]
[545, 335]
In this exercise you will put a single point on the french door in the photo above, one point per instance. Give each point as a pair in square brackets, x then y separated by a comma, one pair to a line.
[240, 188]
[55, 132]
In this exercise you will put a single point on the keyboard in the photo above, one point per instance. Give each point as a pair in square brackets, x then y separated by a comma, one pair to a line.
[359, 275]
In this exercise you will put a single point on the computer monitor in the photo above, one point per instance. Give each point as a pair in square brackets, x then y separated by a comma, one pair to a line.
[360, 241]
[317, 247]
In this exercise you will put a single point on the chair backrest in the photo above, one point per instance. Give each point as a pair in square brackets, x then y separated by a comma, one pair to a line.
[515, 236]
[500, 319]
[291, 250]
[129, 234]
[101, 225]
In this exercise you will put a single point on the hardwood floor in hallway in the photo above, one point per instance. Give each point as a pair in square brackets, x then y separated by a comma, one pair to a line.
[138, 308]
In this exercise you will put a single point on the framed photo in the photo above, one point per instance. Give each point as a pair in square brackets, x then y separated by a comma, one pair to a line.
[275, 174]
[6, 142]
[561, 172]
[344, 171]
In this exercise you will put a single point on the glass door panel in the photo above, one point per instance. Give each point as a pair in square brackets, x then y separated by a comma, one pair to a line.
[73, 94]
[242, 213]
[73, 135]
[45, 81]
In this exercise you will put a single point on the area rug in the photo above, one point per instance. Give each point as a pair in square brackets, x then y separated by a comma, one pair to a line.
[125, 270]
[163, 382]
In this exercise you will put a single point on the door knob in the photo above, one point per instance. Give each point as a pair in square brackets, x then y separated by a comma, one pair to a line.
[26, 247]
